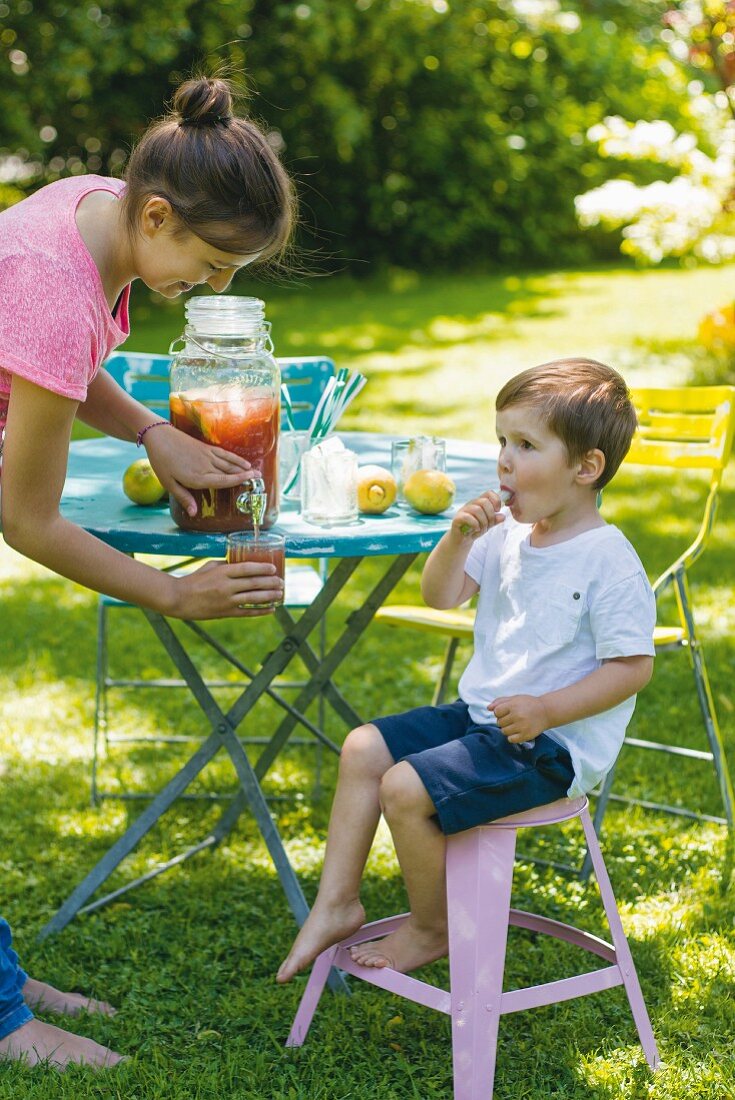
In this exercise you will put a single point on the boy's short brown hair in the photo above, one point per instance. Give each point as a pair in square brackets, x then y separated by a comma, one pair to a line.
[585, 403]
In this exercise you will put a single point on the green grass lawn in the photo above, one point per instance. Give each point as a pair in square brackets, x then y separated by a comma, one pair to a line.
[190, 957]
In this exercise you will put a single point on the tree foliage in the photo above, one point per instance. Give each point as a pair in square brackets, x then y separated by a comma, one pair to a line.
[689, 211]
[420, 131]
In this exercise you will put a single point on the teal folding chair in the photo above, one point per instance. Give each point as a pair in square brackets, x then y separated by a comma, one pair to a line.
[146, 378]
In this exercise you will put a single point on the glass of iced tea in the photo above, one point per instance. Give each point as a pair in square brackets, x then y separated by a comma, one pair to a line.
[258, 546]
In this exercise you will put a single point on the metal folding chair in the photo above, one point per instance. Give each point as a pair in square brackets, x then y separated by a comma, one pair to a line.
[684, 428]
[146, 378]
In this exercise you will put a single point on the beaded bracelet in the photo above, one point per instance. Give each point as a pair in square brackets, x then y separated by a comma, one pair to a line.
[155, 424]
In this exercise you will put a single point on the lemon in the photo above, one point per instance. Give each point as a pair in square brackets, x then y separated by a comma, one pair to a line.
[376, 489]
[429, 491]
[140, 483]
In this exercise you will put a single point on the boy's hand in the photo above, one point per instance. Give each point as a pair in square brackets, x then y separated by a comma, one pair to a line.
[478, 516]
[520, 717]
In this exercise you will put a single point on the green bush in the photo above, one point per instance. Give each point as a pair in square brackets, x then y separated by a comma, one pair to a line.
[421, 131]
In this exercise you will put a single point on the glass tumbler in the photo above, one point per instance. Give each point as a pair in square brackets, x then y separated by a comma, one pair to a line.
[329, 487]
[291, 447]
[262, 547]
[422, 452]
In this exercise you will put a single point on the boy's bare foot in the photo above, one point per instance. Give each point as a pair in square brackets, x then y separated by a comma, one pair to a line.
[42, 996]
[37, 1042]
[403, 950]
[325, 926]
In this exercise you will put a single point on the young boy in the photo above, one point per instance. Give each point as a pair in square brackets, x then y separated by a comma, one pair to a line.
[563, 641]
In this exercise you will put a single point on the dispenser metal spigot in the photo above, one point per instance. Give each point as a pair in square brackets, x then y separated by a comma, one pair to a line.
[253, 500]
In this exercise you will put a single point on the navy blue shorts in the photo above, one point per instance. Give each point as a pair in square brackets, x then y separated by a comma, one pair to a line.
[472, 773]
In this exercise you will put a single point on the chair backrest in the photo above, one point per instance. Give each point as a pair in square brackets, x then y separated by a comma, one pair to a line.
[685, 427]
[143, 376]
[146, 378]
[306, 379]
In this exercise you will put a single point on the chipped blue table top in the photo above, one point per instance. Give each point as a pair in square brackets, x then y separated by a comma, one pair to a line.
[93, 498]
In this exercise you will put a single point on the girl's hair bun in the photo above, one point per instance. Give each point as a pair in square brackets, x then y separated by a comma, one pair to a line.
[216, 169]
[203, 101]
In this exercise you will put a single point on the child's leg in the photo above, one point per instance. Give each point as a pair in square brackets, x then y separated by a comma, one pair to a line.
[355, 814]
[42, 996]
[37, 1042]
[14, 1012]
[421, 850]
[33, 1041]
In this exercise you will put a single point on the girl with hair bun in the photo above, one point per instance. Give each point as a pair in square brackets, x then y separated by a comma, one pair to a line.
[203, 196]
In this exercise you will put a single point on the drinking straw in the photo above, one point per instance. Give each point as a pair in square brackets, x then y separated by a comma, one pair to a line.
[318, 417]
[339, 392]
[288, 406]
[350, 392]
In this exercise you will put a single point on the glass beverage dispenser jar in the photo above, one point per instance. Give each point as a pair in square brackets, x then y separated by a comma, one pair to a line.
[225, 390]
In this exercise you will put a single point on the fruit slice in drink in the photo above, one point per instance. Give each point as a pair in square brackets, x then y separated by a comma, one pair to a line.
[245, 423]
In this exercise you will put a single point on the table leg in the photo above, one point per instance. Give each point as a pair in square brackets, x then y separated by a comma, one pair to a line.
[277, 698]
[330, 691]
[223, 733]
[142, 825]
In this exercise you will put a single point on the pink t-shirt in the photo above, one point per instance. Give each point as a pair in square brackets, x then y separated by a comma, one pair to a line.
[56, 327]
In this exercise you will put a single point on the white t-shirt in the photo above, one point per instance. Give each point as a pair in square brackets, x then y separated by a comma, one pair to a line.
[546, 617]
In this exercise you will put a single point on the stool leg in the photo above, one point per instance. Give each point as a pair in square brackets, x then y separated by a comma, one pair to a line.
[310, 997]
[622, 949]
[479, 880]
[602, 800]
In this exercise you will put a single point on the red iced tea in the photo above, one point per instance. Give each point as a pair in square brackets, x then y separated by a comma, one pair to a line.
[265, 548]
[246, 424]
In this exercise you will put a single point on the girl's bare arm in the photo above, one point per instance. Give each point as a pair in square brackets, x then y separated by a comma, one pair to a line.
[35, 457]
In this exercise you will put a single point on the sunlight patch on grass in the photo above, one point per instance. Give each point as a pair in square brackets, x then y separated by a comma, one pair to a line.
[699, 961]
[670, 912]
[307, 854]
[33, 717]
[89, 822]
[456, 329]
[14, 567]
[614, 1073]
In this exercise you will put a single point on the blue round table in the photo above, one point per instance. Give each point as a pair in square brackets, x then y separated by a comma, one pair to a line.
[93, 498]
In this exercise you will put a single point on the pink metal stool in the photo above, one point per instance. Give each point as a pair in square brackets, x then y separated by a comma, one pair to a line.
[479, 879]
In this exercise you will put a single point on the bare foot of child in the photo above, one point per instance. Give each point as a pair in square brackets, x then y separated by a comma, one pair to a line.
[325, 926]
[37, 1042]
[42, 996]
[404, 950]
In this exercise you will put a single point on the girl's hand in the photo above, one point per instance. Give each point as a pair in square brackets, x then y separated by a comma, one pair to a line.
[182, 463]
[478, 516]
[520, 717]
[216, 590]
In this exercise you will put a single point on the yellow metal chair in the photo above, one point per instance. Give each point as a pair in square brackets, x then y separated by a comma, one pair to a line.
[680, 428]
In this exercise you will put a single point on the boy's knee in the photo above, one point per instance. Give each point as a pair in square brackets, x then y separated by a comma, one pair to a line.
[402, 791]
[363, 748]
